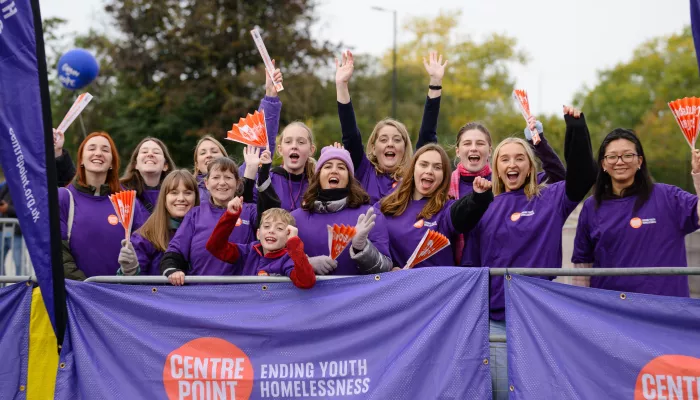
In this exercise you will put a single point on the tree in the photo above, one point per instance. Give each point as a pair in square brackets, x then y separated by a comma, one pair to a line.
[182, 68]
[635, 94]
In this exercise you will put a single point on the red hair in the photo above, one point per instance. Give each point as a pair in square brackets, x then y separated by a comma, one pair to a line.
[112, 175]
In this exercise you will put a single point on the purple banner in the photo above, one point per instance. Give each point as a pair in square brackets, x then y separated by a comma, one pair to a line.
[15, 309]
[405, 335]
[567, 342]
[22, 148]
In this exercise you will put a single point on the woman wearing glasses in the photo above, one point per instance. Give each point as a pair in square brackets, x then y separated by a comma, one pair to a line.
[632, 222]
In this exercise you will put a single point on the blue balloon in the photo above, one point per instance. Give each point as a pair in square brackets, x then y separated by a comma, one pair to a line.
[77, 68]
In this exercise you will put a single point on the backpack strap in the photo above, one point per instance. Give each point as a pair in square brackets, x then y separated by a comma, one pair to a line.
[71, 214]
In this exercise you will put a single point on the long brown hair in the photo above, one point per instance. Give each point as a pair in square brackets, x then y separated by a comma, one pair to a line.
[132, 178]
[407, 153]
[532, 188]
[157, 228]
[310, 165]
[204, 138]
[112, 175]
[357, 196]
[396, 203]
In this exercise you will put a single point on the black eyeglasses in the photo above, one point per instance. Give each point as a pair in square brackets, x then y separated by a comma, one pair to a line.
[626, 158]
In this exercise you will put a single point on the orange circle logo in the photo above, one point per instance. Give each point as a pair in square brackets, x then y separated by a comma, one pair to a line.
[669, 377]
[112, 219]
[263, 273]
[636, 222]
[205, 366]
[515, 216]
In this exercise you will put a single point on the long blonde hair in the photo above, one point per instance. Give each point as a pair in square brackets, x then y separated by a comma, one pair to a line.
[204, 138]
[532, 188]
[407, 153]
[157, 228]
[310, 165]
[396, 203]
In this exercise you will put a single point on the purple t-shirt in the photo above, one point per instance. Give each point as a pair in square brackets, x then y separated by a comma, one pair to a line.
[377, 185]
[254, 262]
[148, 256]
[313, 232]
[405, 233]
[614, 236]
[96, 234]
[519, 233]
[202, 188]
[290, 191]
[191, 238]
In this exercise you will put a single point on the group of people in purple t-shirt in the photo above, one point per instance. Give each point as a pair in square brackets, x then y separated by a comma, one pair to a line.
[500, 207]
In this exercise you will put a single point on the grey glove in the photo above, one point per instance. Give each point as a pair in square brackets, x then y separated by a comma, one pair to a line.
[127, 258]
[323, 265]
[365, 223]
[528, 134]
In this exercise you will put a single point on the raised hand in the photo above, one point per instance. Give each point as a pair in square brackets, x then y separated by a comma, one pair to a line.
[365, 223]
[127, 258]
[344, 68]
[59, 140]
[338, 145]
[292, 231]
[435, 67]
[481, 184]
[251, 155]
[531, 123]
[696, 161]
[270, 84]
[235, 205]
[265, 157]
[574, 112]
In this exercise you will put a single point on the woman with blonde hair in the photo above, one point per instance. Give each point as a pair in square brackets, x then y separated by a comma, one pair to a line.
[388, 153]
[148, 244]
[420, 203]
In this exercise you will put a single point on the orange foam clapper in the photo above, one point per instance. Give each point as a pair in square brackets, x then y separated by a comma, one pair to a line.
[686, 111]
[431, 243]
[123, 203]
[341, 237]
[250, 130]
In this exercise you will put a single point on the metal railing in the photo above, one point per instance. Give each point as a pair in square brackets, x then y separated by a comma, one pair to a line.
[14, 257]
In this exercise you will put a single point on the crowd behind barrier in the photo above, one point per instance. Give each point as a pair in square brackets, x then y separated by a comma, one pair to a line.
[14, 257]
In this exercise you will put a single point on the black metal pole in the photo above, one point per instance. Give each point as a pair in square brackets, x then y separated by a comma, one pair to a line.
[394, 78]
[59, 289]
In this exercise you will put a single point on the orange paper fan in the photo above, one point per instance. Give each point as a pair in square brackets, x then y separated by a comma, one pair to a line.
[431, 243]
[250, 130]
[521, 99]
[339, 236]
[686, 111]
[123, 203]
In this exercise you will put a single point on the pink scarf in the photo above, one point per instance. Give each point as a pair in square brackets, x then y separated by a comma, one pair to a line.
[454, 193]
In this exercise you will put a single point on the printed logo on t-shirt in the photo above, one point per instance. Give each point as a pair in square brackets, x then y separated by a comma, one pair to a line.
[637, 222]
[425, 223]
[239, 222]
[263, 273]
[516, 216]
[244, 221]
[112, 219]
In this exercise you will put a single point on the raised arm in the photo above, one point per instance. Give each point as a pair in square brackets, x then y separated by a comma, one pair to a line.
[695, 174]
[466, 212]
[302, 275]
[581, 169]
[428, 128]
[218, 244]
[554, 170]
[352, 138]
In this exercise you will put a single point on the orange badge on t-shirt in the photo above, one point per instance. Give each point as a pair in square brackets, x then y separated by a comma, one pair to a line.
[418, 224]
[636, 222]
[515, 216]
[112, 219]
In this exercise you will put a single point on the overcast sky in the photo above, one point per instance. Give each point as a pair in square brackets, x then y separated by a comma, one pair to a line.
[567, 40]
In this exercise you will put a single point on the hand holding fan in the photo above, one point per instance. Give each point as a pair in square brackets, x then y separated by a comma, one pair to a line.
[123, 203]
[431, 243]
[686, 111]
[523, 103]
[250, 130]
[339, 236]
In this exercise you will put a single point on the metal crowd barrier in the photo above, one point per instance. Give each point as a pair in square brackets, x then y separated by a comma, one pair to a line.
[14, 257]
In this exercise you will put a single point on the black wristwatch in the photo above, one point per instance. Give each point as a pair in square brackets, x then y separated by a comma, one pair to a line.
[434, 87]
